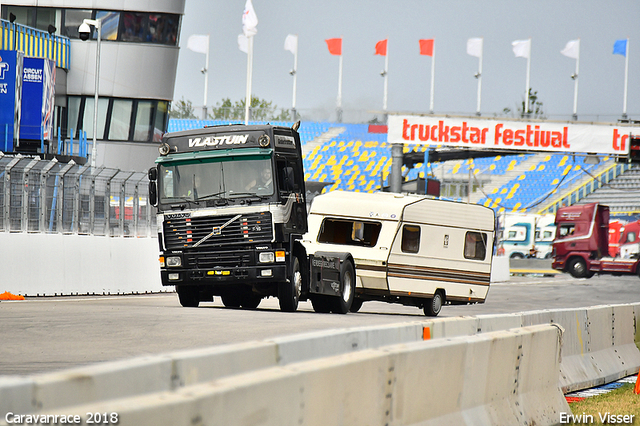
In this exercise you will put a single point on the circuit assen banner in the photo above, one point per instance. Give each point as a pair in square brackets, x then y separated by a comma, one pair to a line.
[479, 133]
[10, 98]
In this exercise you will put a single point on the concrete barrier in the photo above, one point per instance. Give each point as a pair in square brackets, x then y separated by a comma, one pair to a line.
[597, 346]
[78, 264]
[503, 377]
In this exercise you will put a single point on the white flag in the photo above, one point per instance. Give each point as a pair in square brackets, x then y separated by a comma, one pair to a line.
[291, 43]
[474, 47]
[572, 49]
[198, 43]
[243, 43]
[249, 20]
[522, 48]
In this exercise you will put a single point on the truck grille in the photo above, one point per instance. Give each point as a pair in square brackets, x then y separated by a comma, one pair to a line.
[220, 258]
[246, 229]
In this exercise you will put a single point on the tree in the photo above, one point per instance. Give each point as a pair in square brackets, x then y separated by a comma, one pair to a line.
[182, 109]
[535, 107]
[261, 110]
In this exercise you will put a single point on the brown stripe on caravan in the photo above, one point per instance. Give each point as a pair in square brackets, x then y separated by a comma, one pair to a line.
[372, 268]
[438, 274]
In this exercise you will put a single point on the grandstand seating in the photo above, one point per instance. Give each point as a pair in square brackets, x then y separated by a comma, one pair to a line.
[356, 160]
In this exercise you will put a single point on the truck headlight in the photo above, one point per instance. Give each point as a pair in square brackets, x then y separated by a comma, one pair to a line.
[266, 257]
[173, 261]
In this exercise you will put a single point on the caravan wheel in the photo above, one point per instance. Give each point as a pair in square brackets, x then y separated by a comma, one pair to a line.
[432, 307]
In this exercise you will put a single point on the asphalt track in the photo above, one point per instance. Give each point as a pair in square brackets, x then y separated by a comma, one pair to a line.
[50, 333]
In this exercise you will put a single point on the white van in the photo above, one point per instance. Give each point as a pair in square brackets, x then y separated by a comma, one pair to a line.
[408, 249]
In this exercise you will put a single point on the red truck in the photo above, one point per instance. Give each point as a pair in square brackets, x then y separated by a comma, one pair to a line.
[581, 246]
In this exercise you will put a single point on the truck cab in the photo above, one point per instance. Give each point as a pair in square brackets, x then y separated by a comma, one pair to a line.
[581, 246]
[231, 205]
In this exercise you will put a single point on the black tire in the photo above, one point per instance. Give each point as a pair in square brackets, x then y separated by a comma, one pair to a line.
[516, 256]
[289, 291]
[433, 306]
[189, 296]
[251, 301]
[321, 304]
[577, 267]
[231, 300]
[356, 304]
[342, 303]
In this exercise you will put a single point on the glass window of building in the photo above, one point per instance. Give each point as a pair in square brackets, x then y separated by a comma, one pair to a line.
[120, 120]
[87, 121]
[110, 24]
[142, 124]
[73, 19]
[162, 112]
[73, 113]
[134, 26]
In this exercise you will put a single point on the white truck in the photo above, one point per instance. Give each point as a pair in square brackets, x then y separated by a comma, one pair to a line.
[408, 249]
[524, 235]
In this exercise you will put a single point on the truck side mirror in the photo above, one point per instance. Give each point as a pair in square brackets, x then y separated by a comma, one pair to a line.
[153, 186]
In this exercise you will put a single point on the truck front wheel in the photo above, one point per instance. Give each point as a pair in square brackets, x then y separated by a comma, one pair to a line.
[289, 291]
[189, 296]
[578, 268]
[342, 303]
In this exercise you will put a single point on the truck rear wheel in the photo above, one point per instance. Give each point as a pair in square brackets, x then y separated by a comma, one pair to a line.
[342, 303]
[189, 296]
[289, 291]
[578, 268]
[356, 304]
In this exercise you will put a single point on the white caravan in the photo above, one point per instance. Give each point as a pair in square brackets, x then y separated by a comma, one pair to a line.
[407, 249]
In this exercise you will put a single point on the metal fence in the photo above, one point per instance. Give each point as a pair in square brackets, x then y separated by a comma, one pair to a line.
[47, 196]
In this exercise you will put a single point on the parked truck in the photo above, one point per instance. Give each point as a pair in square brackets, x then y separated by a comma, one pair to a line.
[526, 235]
[581, 246]
[232, 222]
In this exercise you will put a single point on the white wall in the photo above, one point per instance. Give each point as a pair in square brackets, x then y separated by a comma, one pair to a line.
[50, 264]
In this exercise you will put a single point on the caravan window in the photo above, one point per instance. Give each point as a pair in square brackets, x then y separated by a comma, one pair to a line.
[475, 245]
[410, 239]
[349, 232]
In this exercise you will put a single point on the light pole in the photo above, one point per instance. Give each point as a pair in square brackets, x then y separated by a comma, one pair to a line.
[84, 33]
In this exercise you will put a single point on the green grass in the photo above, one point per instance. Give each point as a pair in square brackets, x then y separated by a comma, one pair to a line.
[621, 401]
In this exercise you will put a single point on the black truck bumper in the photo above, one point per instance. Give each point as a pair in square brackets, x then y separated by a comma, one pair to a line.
[223, 276]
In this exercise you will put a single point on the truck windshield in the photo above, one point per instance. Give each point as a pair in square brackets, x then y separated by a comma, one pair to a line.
[215, 179]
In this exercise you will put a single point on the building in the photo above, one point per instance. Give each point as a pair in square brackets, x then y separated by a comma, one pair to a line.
[139, 57]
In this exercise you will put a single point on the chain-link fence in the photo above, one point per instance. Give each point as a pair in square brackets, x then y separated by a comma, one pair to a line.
[47, 196]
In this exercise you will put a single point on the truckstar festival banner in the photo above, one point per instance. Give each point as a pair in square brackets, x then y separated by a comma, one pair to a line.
[480, 133]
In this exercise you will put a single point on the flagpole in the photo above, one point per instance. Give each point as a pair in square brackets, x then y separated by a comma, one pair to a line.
[206, 80]
[386, 75]
[295, 77]
[575, 87]
[479, 75]
[339, 101]
[249, 72]
[433, 73]
[526, 108]
[626, 78]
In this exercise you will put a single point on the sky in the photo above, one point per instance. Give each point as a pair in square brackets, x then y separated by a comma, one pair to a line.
[549, 23]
